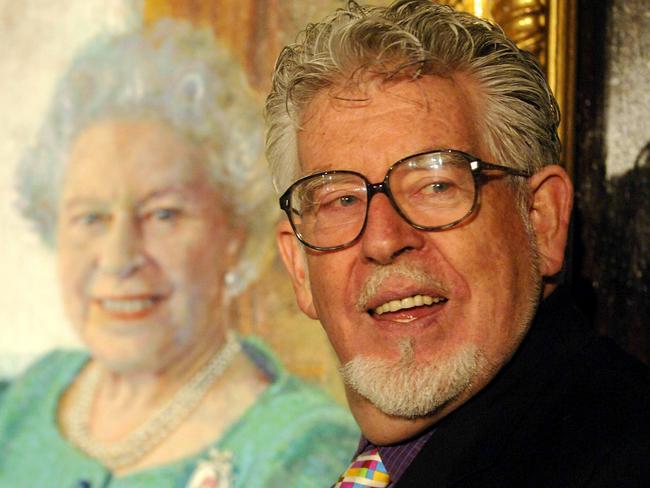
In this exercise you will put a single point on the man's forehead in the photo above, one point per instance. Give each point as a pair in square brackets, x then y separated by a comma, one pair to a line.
[374, 97]
[436, 112]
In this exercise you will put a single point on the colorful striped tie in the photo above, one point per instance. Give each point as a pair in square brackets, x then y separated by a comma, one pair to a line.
[366, 470]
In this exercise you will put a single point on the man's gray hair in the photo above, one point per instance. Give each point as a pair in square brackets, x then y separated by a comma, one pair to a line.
[414, 38]
[174, 73]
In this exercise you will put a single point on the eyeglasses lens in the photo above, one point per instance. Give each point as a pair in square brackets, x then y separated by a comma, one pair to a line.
[329, 210]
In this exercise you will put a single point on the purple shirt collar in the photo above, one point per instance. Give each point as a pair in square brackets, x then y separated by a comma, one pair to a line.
[397, 457]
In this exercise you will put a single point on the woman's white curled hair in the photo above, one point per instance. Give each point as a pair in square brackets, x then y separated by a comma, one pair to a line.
[178, 74]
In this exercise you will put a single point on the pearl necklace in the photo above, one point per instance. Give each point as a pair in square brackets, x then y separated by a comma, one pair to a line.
[167, 418]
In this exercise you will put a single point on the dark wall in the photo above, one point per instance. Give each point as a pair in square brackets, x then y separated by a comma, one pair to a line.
[610, 261]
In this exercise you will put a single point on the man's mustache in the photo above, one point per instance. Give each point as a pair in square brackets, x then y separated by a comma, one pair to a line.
[412, 272]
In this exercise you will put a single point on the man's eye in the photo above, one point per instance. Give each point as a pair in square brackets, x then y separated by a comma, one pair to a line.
[438, 187]
[347, 200]
[337, 202]
[340, 198]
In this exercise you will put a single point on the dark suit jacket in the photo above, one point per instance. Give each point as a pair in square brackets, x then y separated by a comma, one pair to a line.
[568, 410]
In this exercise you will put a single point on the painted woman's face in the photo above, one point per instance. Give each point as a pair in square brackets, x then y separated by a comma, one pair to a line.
[143, 245]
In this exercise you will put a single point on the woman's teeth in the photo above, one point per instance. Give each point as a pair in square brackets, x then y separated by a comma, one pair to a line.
[127, 306]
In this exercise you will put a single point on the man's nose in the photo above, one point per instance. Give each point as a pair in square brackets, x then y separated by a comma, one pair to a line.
[121, 252]
[387, 234]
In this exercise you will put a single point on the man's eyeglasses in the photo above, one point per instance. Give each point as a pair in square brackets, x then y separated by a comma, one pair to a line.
[432, 191]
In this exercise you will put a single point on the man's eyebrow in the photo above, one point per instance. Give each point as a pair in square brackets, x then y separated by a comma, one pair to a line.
[341, 165]
[318, 169]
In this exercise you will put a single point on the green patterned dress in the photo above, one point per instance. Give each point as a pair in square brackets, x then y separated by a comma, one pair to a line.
[293, 436]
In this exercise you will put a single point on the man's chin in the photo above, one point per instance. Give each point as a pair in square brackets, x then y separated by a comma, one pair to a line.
[412, 389]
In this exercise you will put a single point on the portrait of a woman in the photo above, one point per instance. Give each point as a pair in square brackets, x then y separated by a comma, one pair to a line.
[147, 181]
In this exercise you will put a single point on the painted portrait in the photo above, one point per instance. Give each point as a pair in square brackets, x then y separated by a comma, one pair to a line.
[144, 189]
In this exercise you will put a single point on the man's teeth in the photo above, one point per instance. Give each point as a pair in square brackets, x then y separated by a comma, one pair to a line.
[408, 302]
[127, 306]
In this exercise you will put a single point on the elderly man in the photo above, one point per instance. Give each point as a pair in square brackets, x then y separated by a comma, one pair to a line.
[416, 149]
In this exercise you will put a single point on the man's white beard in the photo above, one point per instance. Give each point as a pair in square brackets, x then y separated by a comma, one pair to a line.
[407, 388]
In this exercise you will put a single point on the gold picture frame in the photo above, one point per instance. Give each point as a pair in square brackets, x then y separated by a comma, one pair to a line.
[546, 28]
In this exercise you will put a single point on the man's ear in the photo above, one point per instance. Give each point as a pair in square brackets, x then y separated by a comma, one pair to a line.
[295, 261]
[550, 213]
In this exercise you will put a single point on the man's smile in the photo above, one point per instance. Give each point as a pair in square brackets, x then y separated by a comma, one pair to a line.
[407, 303]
